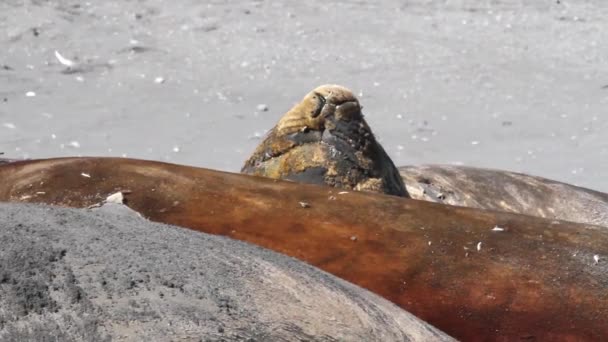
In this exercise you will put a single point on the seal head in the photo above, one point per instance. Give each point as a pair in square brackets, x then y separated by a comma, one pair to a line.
[324, 139]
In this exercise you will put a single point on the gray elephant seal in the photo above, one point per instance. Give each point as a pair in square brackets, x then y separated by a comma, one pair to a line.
[78, 275]
[505, 191]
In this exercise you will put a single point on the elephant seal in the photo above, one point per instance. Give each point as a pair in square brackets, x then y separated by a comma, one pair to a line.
[324, 139]
[7, 160]
[79, 275]
[505, 191]
[474, 274]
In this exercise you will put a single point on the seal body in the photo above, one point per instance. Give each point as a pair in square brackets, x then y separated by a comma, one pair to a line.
[108, 274]
[533, 278]
[505, 191]
[324, 139]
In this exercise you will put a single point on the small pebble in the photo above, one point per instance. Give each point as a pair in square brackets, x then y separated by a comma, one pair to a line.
[304, 205]
[262, 108]
[256, 135]
[116, 198]
[353, 238]
[159, 80]
[30, 94]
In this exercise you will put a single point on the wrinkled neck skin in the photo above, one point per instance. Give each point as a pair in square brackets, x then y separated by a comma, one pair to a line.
[325, 140]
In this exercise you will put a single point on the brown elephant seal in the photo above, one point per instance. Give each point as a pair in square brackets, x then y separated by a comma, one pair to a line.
[79, 275]
[325, 140]
[475, 274]
[505, 191]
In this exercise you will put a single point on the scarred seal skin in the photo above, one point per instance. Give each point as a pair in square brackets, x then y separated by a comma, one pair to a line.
[324, 139]
[506, 191]
[531, 279]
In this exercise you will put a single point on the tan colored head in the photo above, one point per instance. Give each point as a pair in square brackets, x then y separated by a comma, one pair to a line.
[325, 140]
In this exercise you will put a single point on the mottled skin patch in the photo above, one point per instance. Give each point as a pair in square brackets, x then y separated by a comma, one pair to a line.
[505, 191]
[324, 139]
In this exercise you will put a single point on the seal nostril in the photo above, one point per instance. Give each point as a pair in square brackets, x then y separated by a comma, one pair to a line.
[320, 105]
[349, 111]
[328, 110]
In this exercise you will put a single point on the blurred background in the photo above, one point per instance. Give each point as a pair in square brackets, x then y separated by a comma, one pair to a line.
[507, 84]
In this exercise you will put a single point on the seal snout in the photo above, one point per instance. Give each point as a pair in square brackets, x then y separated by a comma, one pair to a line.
[337, 101]
[334, 93]
[327, 103]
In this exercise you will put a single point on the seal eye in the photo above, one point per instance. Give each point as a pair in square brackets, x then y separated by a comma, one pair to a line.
[320, 104]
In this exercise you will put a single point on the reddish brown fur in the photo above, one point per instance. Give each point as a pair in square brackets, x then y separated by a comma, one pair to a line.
[537, 280]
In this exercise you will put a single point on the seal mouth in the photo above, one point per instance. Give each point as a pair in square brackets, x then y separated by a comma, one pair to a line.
[337, 126]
